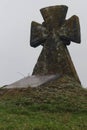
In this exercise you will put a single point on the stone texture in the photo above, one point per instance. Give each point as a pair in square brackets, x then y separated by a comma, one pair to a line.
[54, 34]
[38, 34]
[70, 30]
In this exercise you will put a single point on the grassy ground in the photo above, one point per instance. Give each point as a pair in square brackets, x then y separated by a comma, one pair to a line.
[54, 106]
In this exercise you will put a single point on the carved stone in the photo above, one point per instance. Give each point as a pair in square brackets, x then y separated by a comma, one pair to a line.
[54, 34]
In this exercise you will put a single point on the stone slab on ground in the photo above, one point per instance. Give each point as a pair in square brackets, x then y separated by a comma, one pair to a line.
[32, 81]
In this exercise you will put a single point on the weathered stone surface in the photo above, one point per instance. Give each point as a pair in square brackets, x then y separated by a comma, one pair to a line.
[54, 16]
[38, 34]
[54, 34]
[70, 30]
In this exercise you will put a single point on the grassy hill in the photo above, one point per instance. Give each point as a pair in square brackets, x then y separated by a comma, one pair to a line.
[57, 105]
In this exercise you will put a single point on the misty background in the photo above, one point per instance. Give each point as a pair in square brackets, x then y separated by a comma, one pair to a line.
[17, 58]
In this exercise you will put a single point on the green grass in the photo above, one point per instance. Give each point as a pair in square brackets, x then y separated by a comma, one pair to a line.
[50, 107]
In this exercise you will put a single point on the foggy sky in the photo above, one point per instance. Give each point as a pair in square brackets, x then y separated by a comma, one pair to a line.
[17, 58]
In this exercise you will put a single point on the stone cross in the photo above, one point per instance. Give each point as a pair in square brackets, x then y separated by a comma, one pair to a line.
[54, 34]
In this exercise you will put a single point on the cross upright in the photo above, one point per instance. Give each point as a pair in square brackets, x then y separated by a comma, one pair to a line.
[54, 34]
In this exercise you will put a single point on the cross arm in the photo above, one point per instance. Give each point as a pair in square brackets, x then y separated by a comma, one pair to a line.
[38, 34]
[70, 30]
